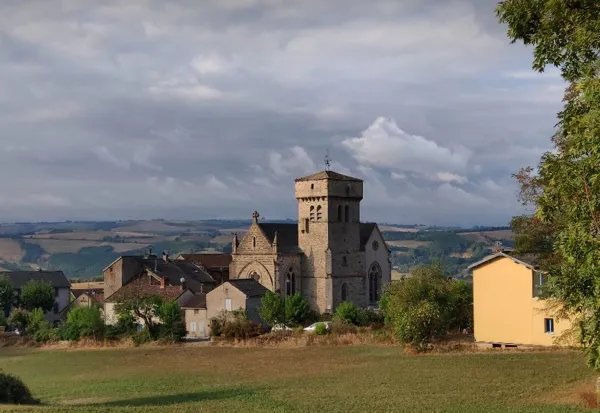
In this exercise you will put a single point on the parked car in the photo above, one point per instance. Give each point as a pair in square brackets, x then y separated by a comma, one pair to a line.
[281, 327]
[311, 328]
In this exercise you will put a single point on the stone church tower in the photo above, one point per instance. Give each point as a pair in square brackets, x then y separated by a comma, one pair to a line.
[329, 235]
[329, 255]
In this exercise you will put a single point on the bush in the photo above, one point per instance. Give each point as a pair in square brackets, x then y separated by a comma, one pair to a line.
[368, 317]
[172, 327]
[36, 321]
[321, 329]
[339, 326]
[83, 322]
[216, 327]
[37, 294]
[18, 319]
[271, 309]
[46, 334]
[233, 325]
[347, 312]
[14, 391]
[425, 307]
[297, 309]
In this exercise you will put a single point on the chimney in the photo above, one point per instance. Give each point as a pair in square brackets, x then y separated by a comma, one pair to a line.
[182, 287]
[162, 283]
[201, 288]
[165, 256]
[155, 265]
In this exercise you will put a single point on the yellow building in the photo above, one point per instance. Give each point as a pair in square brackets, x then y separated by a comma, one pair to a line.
[508, 310]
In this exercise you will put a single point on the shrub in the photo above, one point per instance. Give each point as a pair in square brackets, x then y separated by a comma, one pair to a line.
[172, 327]
[83, 322]
[339, 326]
[36, 321]
[233, 324]
[18, 319]
[271, 309]
[216, 327]
[14, 391]
[297, 309]
[368, 317]
[347, 312]
[321, 329]
[46, 334]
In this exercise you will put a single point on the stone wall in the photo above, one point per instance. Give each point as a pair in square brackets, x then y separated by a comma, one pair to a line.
[254, 254]
[120, 273]
[381, 256]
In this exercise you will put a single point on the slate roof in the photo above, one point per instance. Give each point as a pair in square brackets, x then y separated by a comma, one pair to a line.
[366, 229]
[209, 261]
[335, 176]
[250, 287]
[195, 301]
[287, 235]
[19, 278]
[174, 270]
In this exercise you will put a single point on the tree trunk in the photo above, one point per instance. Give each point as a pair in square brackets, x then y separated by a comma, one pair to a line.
[598, 390]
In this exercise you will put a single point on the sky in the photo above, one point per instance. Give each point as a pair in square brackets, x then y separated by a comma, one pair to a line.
[188, 109]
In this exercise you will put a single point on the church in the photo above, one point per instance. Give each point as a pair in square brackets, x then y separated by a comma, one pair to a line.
[329, 256]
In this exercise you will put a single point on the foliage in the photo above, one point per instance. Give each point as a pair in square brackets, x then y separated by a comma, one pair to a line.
[234, 324]
[426, 306]
[82, 322]
[321, 329]
[37, 294]
[6, 294]
[297, 309]
[347, 312]
[565, 193]
[14, 391]
[144, 307]
[18, 319]
[36, 321]
[369, 317]
[172, 327]
[340, 326]
[271, 309]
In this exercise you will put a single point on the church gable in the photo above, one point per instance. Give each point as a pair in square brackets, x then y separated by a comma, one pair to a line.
[254, 242]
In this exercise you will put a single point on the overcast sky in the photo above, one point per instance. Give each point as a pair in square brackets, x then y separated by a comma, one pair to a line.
[209, 109]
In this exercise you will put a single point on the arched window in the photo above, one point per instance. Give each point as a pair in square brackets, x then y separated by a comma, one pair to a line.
[344, 292]
[253, 242]
[346, 213]
[254, 275]
[340, 218]
[344, 261]
[290, 282]
[374, 282]
[312, 213]
[319, 214]
[348, 190]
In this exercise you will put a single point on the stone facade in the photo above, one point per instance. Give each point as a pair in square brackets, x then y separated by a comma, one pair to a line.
[325, 256]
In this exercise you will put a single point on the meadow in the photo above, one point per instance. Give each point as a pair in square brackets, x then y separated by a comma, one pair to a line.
[308, 379]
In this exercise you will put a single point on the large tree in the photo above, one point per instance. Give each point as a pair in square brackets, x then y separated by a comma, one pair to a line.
[37, 294]
[6, 295]
[565, 189]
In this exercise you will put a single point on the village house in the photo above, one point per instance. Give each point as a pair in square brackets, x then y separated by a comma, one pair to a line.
[57, 280]
[237, 294]
[509, 307]
[329, 256]
[131, 277]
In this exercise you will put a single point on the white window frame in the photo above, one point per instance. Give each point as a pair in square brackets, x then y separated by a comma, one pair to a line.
[550, 324]
[228, 304]
[193, 326]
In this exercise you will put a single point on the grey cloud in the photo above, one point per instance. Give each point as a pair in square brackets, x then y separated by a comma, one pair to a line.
[190, 109]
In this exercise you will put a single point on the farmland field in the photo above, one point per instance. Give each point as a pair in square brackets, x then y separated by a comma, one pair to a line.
[408, 243]
[315, 379]
[503, 235]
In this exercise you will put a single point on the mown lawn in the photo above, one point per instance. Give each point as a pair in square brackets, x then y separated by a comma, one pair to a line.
[312, 379]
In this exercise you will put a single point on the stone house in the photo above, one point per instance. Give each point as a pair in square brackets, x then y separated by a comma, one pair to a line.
[136, 276]
[58, 281]
[329, 255]
[84, 298]
[235, 294]
[195, 316]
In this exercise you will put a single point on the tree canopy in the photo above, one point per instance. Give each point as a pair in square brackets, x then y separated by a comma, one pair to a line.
[565, 191]
[6, 294]
[37, 294]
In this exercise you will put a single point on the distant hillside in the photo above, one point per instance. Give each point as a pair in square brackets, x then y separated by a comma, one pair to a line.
[83, 249]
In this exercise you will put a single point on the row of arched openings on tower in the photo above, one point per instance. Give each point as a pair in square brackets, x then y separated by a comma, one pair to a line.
[343, 213]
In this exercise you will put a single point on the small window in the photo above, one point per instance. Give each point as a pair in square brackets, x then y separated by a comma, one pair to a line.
[56, 292]
[253, 242]
[201, 326]
[339, 217]
[228, 304]
[348, 190]
[196, 312]
[306, 225]
[312, 213]
[344, 292]
[375, 245]
[549, 325]
[312, 186]
[346, 213]
[193, 326]
[344, 261]
[319, 213]
[55, 308]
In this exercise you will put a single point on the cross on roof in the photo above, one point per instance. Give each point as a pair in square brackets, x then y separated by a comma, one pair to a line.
[255, 216]
[327, 160]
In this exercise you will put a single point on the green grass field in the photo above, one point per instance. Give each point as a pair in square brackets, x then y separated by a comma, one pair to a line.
[311, 379]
